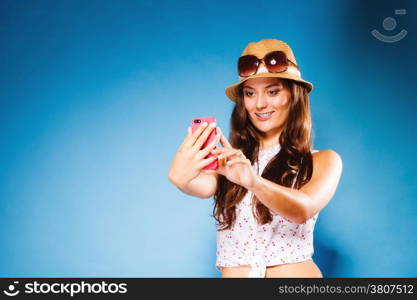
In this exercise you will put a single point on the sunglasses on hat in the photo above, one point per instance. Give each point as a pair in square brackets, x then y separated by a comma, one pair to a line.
[275, 62]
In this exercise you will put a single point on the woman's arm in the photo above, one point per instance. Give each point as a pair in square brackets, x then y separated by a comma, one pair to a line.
[203, 186]
[300, 205]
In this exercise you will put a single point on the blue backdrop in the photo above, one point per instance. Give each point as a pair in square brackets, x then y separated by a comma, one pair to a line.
[96, 97]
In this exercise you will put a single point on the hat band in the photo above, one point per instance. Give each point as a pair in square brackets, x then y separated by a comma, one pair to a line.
[262, 69]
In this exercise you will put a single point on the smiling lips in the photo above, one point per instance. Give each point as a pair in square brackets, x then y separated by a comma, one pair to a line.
[264, 116]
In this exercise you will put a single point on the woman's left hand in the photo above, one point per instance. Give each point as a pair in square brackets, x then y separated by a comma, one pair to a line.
[238, 168]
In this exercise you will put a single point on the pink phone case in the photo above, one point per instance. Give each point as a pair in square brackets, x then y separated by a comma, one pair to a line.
[195, 123]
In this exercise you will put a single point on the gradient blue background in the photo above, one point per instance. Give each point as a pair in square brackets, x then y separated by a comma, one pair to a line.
[96, 97]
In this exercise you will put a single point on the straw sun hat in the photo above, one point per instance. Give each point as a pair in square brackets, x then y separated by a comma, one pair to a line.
[260, 49]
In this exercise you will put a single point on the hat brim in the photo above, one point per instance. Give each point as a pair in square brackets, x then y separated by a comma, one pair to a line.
[231, 90]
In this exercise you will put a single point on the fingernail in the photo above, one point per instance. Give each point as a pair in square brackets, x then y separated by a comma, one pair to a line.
[213, 124]
[213, 151]
[204, 124]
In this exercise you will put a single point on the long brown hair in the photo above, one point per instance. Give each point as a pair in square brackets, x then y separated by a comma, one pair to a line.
[292, 166]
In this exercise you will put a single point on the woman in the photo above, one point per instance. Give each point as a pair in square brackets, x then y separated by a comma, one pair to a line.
[267, 193]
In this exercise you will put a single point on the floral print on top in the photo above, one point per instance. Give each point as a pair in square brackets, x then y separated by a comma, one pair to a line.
[249, 243]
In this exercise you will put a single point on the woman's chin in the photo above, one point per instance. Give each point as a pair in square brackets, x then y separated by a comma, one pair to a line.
[263, 127]
[266, 128]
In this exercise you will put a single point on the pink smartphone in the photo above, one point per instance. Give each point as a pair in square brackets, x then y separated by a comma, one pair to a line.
[195, 123]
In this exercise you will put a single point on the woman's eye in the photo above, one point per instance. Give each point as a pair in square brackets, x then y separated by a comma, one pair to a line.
[274, 92]
[249, 94]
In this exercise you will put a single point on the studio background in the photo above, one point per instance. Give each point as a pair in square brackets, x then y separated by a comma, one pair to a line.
[96, 97]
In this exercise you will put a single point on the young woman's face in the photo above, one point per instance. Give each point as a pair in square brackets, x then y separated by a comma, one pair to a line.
[266, 101]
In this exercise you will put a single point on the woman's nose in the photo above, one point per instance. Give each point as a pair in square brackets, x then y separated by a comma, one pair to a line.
[261, 102]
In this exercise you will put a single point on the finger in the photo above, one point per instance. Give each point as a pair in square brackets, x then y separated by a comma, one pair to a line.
[218, 171]
[222, 161]
[206, 161]
[237, 160]
[224, 141]
[191, 140]
[206, 151]
[203, 137]
[218, 150]
[231, 152]
[241, 154]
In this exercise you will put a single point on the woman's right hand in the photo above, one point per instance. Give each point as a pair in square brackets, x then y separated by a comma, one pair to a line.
[190, 158]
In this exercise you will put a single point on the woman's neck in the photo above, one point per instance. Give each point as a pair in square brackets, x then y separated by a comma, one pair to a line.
[269, 141]
[269, 144]
[270, 138]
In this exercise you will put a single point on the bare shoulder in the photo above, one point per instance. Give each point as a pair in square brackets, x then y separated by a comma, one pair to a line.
[327, 170]
[327, 157]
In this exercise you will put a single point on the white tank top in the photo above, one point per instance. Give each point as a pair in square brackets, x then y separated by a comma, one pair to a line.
[249, 243]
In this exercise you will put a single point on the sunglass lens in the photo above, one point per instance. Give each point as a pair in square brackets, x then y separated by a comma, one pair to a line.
[276, 61]
[247, 65]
